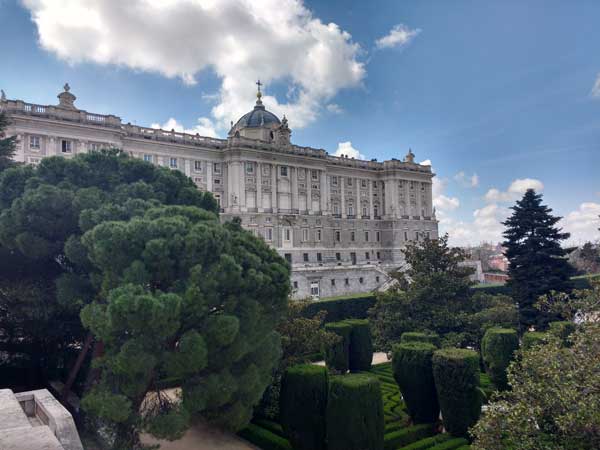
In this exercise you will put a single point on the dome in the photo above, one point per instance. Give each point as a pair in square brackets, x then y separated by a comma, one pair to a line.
[259, 117]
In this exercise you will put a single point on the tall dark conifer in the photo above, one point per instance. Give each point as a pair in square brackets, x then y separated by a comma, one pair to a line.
[538, 263]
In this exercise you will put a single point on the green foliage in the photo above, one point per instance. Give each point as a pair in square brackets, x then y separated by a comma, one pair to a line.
[303, 406]
[532, 338]
[562, 330]
[408, 435]
[497, 349]
[429, 442]
[415, 336]
[8, 145]
[341, 308]
[412, 366]
[538, 263]
[554, 398]
[355, 413]
[451, 444]
[360, 353]
[264, 439]
[337, 355]
[456, 374]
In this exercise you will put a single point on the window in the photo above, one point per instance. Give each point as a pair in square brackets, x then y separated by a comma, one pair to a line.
[66, 146]
[319, 235]
[366, 236]
[336, 208]
[375, 184]
[350, 210]
[367, 256]
[377, 279]
[314, 288]
[173, 163]
[428, 234]
[375, 211]
[198, 166]
[352, 236]
[349, 181]
[148, 158]
[269, 234]
[353, 258]
[361, 280]
[34, 142]
[338, 236]
[217, 181]
[218, 199]
[305, 257]
[314, 175]
[288, 257]
[198, 180]
[315, 186]
[377, 236]
[378, 255]
[363, 183]
[287, 234]
[416, 235]
[334, 181]
[347, 281]
[406, 235]
[319, 257]
[295, 285]
[305, 234]
[217, 168]
[284, 171]
[338, 256]
[333, 281]
[249, 168]
[365, 214]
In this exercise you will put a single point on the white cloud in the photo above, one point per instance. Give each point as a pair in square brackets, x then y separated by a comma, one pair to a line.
[596, 88]
[467, 181]
[240, 40]
[334, 108]
[583, 223]
[427, 162]
[399, 36]
[516, 189]
[441, 201]
[205, 127]
[346, 149]
[486, 226]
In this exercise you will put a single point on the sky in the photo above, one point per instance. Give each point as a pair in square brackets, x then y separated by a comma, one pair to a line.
[497, 96]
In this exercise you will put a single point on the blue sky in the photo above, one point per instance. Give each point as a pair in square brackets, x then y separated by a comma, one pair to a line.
[499, 96]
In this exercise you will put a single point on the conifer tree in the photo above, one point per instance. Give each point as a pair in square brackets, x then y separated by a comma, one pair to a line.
[7, 144]
[538, 263]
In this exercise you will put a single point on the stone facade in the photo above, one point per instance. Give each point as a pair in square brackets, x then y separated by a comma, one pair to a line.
[341, 222]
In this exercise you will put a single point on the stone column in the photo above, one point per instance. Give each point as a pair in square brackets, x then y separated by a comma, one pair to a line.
[274, 204]
[309, 181]
[324, 191]
[419, 200]
[343, 211]
[259, 204]
[242, 185]
[209, 176]
[371, 211]
[293, 171]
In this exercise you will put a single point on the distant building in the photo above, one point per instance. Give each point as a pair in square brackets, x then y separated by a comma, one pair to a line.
[498, 262]
[495, 277]
[341, 223]
[477, 274]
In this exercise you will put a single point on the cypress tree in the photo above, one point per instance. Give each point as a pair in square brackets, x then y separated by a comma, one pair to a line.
[538, 263]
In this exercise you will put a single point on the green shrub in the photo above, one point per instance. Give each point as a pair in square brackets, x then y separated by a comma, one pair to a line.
[533, 338]
[337, 356]
[429, 442]
[264, 439]
[273, 427]
[562, 330]
[303, 403]
[341, 308]
[452, 444]
[456, 374]
[414, 336]
[355, 413]
[407, 436]
[497, 349]
[361, 345]
[411, 363]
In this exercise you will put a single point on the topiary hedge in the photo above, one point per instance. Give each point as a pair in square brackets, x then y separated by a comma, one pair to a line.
[264, 439]
[452, 444]
[412, 368]
[533, 338]
[302, 405]
[337, 356]
[408, 435]
[361, 345]
[341, 308]
[355, 413]
[497, 349]
[456, 375]
[429, 442]
[415, 336]
[562, 330]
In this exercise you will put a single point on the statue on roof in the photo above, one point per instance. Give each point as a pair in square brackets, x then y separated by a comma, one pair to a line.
[2, 95]
[410, 157]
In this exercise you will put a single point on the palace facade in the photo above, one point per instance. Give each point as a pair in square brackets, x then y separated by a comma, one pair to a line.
[341, 222]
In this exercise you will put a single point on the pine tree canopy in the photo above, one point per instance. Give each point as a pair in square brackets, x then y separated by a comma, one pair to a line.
[538, 262]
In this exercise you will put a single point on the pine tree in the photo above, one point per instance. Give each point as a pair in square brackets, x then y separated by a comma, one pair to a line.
[538, 263]
[7, 144]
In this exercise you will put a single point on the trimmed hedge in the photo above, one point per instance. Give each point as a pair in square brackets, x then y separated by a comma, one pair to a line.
[562, 330]
[452, 444]
[407, 436]
[341, 308]
[497, 349]
[302, 405]
[361, 345]
[264, 439]
[533, 338]
[456, 374]
[429, 442]
[414, 336]
[337, 356]
[412, 367]
[355, 413]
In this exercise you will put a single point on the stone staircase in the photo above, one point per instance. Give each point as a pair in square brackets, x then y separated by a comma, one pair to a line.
[35, 420]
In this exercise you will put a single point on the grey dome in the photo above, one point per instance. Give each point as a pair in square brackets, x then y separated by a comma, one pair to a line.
[258, 117]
